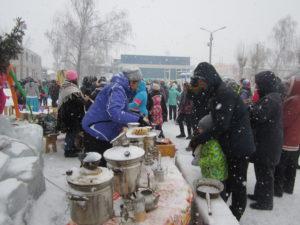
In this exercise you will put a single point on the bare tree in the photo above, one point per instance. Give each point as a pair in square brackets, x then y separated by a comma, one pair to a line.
[258, 56]
[80, 39]
[241, 59]
[283, 36]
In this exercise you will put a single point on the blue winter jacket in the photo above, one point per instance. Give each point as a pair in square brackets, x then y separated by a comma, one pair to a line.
[139, 103]
[109, 113]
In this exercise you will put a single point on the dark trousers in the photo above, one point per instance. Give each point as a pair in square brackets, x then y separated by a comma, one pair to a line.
[54, 104]
[70, 141]
[92, 144]
[172, 112]
[264, 187]
[45, 101]
[235, 185]
[285, 172]
[161, 134]
[187, 118]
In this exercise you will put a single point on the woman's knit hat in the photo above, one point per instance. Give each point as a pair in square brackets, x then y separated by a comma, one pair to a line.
[71, 75]
[133, 73]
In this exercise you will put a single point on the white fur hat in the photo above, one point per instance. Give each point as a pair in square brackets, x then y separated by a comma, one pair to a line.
[156, 86]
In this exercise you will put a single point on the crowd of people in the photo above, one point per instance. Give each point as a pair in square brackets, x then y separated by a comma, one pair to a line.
[229, 124]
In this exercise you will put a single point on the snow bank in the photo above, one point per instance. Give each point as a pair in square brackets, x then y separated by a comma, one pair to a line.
[18, 149]
[6, 127]
[33, 137]
[28, 170]
[3, 163]
[4, 142]
[5, 219]
[21, 170]
[12, 194]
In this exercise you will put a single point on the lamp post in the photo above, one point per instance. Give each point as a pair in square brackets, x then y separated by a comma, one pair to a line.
[211, 39]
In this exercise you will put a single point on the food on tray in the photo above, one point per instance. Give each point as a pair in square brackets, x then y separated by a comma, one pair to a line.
[140, 131]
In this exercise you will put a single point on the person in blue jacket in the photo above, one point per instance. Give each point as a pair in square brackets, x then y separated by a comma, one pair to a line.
[139, 102]
[109, 113]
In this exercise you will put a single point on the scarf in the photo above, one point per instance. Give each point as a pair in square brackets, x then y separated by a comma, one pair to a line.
[66, 91]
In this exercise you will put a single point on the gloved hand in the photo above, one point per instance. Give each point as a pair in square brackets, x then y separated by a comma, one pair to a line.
[144, 122]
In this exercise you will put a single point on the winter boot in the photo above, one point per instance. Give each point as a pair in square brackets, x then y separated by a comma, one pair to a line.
[189, 137]
[71, 154]
[252, 197]
[260, 206]
[161, 135]
[180, 136]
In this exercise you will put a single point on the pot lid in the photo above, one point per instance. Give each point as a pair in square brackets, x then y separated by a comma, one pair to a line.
[120, 153]
[92, 157]
[84, 177]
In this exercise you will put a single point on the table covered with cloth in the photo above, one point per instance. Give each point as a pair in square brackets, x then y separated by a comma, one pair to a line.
[174, 206]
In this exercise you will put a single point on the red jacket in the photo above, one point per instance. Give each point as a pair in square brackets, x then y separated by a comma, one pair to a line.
[291, 116]
[2, 95]
[255, 97]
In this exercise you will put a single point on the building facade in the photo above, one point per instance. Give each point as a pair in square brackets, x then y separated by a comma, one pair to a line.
[157, 67]
[28, 64]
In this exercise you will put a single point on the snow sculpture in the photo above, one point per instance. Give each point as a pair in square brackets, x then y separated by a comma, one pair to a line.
[21, 169]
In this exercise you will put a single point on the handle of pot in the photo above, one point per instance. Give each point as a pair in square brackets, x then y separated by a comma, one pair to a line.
[127, 153]
[208, 203]
[78, 198]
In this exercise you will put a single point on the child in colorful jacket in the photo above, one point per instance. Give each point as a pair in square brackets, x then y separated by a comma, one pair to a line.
[139, 102]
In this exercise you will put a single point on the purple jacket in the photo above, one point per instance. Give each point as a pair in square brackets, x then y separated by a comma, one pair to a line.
[109, 113]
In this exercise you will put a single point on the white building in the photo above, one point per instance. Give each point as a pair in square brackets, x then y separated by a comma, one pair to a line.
[28, 64]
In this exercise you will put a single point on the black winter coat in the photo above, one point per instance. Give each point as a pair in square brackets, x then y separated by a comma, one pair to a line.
[266, 121]
[231, 124]
[200, 107]
[54, 91]
[71, 113]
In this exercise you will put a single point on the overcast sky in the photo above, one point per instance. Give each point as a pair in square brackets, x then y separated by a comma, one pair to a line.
[163, 27]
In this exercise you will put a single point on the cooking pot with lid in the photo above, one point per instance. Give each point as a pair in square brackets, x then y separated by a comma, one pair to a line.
[126, 163]
[91, 195]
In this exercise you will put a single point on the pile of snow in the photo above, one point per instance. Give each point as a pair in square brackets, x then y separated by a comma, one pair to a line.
[21, 170]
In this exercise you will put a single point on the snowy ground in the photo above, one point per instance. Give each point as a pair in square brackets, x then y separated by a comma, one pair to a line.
[52, 207]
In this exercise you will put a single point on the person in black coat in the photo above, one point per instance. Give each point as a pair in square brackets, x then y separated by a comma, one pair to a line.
[87, 88]
[54, 92]
[200, 108]
[70, 112]
[266, 120]
[231, 127]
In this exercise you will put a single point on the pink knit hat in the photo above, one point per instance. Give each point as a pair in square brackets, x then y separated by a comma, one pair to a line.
[71, 75]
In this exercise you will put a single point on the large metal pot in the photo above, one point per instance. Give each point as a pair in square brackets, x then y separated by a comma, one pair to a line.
[90, 195]
[126, 163]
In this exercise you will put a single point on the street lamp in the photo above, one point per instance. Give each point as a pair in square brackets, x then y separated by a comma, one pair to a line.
[211, 39]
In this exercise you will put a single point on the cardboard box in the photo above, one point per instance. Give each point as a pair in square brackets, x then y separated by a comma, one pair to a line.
[167, 149]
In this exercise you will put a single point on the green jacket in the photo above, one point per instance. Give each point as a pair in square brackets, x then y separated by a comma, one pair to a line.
[173, 95]
[212, 161]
